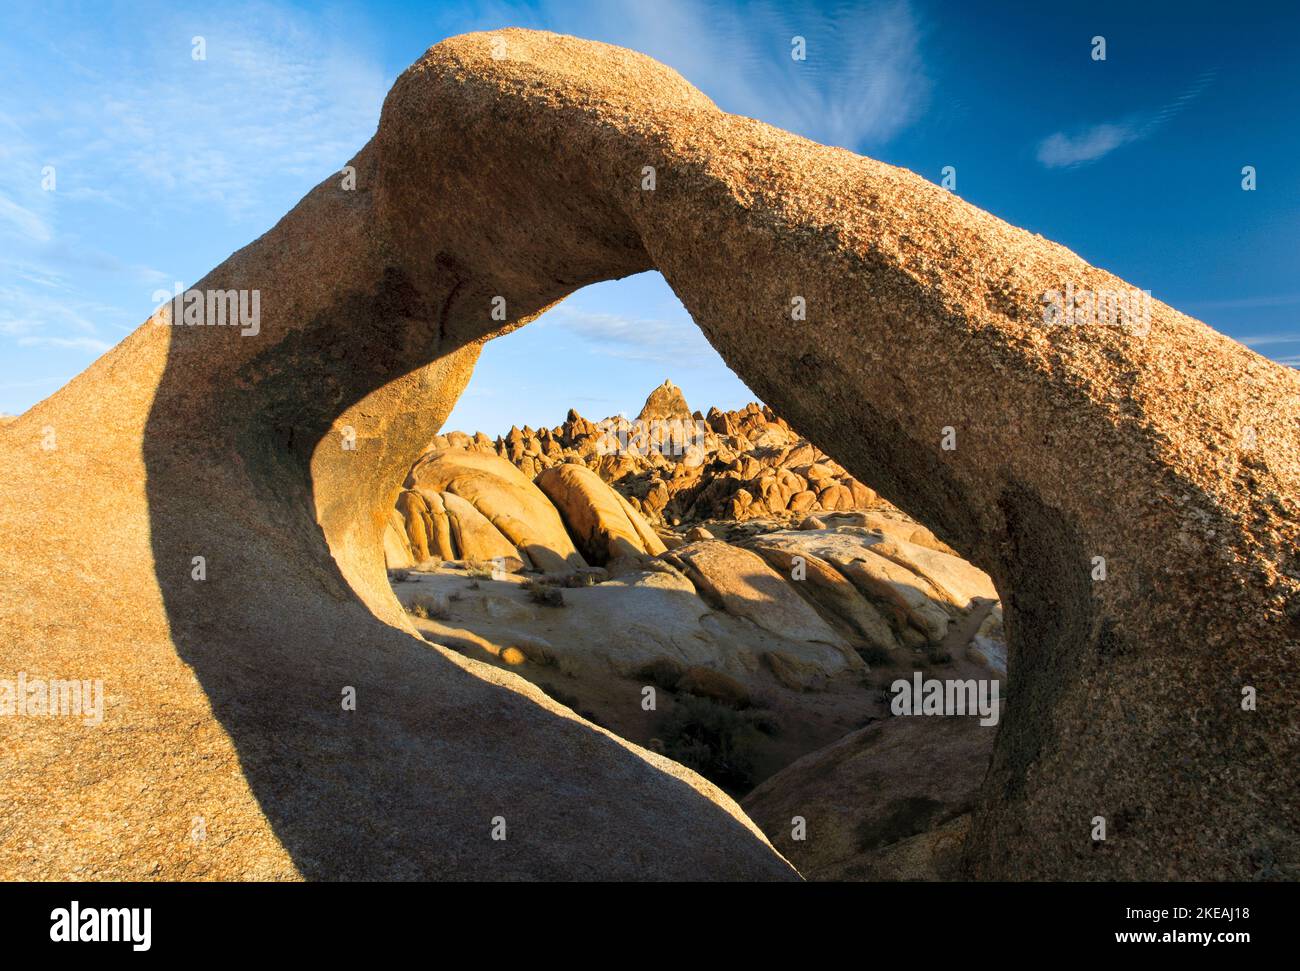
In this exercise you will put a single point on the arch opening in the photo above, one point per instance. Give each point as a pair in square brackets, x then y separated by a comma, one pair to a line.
[708, 584]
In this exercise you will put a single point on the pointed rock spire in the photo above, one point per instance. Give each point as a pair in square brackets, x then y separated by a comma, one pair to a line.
[665, 401]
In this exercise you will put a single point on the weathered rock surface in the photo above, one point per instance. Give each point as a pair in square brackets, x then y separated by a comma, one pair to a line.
[745, 464]
[888, 802]
[830, 590]
[475, 537]
[1169, 450]
[506, 500]
[614, 482]
[600, 520]
[920, 589]
[627, 625]
[742, 584]
[666, 403]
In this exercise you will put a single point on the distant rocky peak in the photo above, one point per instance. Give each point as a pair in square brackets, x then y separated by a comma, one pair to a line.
[665, 402]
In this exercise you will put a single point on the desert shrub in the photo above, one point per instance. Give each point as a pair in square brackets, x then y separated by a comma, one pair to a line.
[541, 592]
[427, 607]
[937, 655]
[764, 721]
[573, 580]
[715, 685]
[716, 741]
[480, 569]
[398, 576]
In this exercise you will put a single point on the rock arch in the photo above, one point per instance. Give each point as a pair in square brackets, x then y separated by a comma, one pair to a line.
[520, 176]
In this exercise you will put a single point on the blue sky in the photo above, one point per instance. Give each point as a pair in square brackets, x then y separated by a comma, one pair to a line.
[164, 165]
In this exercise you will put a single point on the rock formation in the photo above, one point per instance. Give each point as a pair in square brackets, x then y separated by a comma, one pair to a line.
[671, 466]
[889, 590]
[508, 167]
[605, 526]
[740, 583]
[494, 508]
[666, 403]
[874, 580]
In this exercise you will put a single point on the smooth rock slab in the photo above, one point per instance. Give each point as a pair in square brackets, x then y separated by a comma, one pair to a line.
[600, 520]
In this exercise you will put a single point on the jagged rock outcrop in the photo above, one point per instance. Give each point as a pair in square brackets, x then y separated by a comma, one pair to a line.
[925, 363]
[671, 465]
[665, 403]
[615, 481]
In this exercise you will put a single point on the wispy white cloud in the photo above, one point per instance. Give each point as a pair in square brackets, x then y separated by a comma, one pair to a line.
[1246, 303]
[673, 342]
[1061, 150]
[149, 151]
[52, 310]
[273, 98]
[37, 383]
[1088, 144]
[26, 222]
[1270, 340]
[864, 78]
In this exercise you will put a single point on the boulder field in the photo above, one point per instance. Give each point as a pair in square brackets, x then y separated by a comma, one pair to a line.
[804, 604]
[198, 518]
[674, 465]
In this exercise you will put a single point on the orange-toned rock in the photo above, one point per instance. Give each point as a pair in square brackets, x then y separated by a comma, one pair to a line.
[475, 537]
[741, 583]
[835, 497]
[666, 402]
[602, 523]
[829, 590]
[415, 517]
[506, 499]
[438, 525]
